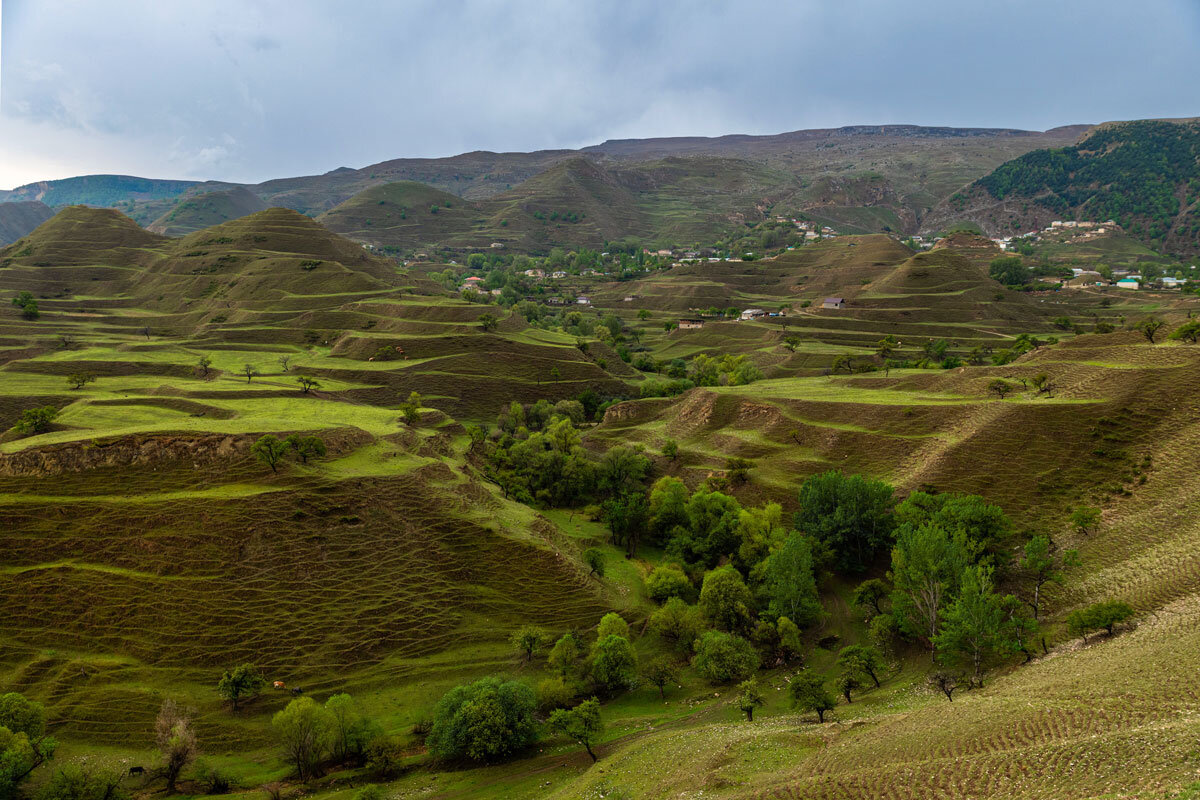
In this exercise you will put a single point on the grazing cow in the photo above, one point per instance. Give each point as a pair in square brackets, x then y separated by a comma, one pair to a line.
[137, 770]
[297, 690]
[279, 685]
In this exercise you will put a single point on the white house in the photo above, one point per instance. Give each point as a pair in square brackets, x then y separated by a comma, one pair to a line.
[833, 302]
[1128, 283]
[751, 313]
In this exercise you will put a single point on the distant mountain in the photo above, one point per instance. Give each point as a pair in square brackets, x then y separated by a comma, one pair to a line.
[862, 178]
[20, 217]
[574, 203]
[97, 190]
[207, 209]
[1143, 174]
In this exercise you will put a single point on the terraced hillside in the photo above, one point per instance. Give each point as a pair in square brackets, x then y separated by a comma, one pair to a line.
[148, 549]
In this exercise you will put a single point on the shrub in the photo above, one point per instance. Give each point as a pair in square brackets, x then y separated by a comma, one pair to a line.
[724, 658]
[36, 420]
[614, 664]
[1105, 615]
[553, 693]
[487, 720]
[612, 624]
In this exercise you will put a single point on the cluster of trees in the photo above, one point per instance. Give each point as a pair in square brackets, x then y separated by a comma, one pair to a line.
[271, 450]
[703, 370]
[538, 457]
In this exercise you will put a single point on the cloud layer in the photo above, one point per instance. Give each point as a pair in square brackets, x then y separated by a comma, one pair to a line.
[248, 90]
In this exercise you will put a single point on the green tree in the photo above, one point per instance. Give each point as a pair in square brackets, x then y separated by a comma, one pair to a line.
[1149, 327]
[666, 581]
[869, 594]
[1045, 565]
[927, 564]
[790, 583]
[307, 384]
[249, 371]
[862, 658]
[848, 681]
[410, 409]
[1000, 387]
[611, 624]
[614, 664]
[886, 347]
[306, 446]
[528, 639]
[484, 721]
[28, 305]
[790, 646]
[1189, 331]
[1009, 270]
[565, 655]
[175, 739]
[24, 745]
[711, 530]
[594, 558]
[724, 658]
[75, 782]
[850, 515]
[269, 450]
[488, 322]
[678, 623]
[971, 631]
[240, 684]
[808, 693]
[1085, 519]
[351, 731]
[303, 730]
[204, 364]
[77, 380]
[581, 723]
[1105, 615]
[670, 449]
[659, 672]
[725, 599]
[35, 420]
[750, 697]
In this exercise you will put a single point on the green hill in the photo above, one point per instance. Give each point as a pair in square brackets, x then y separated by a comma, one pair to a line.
[1142, 174]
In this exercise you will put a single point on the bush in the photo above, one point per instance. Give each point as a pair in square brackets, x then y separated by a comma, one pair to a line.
[678, 623]
[487, 720]
[668, 581]
[36, 420]
[611, 624]
[1099, 616]
[553, 693]
[372, 791]
[725, 658]
[214, 780]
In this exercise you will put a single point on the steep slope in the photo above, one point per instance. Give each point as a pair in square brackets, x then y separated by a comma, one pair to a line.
[207, 209]
[1144, 175]
[18, 218]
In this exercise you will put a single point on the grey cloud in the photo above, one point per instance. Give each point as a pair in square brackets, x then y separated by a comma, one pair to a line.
[241, 90]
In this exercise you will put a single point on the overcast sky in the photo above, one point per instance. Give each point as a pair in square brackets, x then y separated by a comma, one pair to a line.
[247, 90]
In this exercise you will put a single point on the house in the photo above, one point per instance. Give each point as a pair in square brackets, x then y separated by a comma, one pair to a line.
[690, 324]
[833, 302]
[1128, 283]
[558, 274]
[1172, 283]
[629, 298]
[751, 313]
[583, 300]
[663, 253]
[535, 273]
[496, 244]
